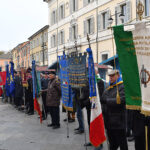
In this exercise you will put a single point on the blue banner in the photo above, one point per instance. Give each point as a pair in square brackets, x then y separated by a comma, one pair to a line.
[12, 83]
[91, 69]
[33, 78]
[77, 70]
[7, 86]
[65, 87]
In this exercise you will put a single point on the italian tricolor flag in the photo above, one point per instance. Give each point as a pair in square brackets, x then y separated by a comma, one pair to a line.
[133, 48]
[97, 132]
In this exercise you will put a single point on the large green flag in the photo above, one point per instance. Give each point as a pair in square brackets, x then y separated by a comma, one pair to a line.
[128, 64]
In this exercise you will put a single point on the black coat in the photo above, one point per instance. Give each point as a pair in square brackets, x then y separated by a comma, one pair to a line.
[18, 87]
[114, 114]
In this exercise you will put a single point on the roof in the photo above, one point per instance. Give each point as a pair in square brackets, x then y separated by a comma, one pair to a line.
[39, 31]
[5, 56]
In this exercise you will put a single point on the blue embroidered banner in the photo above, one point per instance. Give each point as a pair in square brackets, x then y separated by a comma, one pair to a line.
[7, 86]
[12, 83]
[92, 80]
[77, 70]
[65, 86]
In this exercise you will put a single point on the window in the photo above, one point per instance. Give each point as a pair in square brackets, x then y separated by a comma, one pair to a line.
[37, 42]
[61, 37]
[104, 57]
[53, 40]
[147, 7]
[123, 12]
[89, 26]
[125, 9]
[85, 2]
[31, 45]
[104, 20]
[73, 5]
[54, 17]
[62, 12]
[73, 32]
[45, 55]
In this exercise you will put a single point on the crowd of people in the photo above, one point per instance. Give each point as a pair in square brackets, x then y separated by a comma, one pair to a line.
[120, 124]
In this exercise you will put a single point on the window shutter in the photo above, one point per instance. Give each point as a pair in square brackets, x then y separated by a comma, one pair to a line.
[92, 25]
[118, 10]
[71, 6]
[85, 2]
[59, 38]
[76, 31]
[70, 33]
[56, 16]
[107, 17]
[99, 22]
[128, 11]
[76, 5]
[64, 11]
[63, 37]
[59, 16]
[52, 18]
[56, 40]
[85, 28]
[51, 41]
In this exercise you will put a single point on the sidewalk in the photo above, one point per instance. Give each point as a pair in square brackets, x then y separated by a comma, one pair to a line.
[19, 131]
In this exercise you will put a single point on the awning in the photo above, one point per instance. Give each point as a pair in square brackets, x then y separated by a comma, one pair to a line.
[54, 65]
[109, 61]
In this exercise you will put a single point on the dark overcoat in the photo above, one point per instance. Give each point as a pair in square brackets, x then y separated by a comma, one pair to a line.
[53, 93]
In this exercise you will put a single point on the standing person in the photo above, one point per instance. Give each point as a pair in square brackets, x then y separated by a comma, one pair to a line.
[139, 123]
[53, 100]
[114, 114]
[29, 93]
[44, 85]
[18, 89]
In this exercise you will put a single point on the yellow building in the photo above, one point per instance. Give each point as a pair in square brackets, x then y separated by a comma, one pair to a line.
[71, 20]
[39, 47]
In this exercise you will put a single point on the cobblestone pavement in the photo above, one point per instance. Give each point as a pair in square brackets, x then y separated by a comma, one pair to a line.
[19, 131]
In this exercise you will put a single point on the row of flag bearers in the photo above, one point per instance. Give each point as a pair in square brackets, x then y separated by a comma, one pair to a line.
[107, 112]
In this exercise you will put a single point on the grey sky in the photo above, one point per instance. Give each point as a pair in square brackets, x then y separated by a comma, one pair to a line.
[19, 19]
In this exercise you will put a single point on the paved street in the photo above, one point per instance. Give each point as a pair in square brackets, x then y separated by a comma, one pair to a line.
[19, 131]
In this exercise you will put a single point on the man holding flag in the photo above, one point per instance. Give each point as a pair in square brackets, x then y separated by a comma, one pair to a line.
[113, 101]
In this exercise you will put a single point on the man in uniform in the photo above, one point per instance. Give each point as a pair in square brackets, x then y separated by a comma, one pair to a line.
[53, 100]
[44, 85]
[114, 112]
[29, 93]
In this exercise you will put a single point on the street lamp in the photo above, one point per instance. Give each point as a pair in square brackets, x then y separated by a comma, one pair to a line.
[121, 17]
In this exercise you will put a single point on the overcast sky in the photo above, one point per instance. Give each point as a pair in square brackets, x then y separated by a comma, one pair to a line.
[19, 19]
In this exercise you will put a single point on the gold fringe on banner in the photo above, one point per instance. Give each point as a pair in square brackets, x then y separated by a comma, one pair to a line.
[145, 112]
[133, 107]
[67, 108]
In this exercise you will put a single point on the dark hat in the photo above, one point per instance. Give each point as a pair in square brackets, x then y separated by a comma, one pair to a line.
[112, 72]
[52, 72]
[29, 70]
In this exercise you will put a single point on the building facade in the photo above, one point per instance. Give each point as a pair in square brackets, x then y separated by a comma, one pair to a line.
[72, 20]
[39, 46]
[4, 60]
[21, 55]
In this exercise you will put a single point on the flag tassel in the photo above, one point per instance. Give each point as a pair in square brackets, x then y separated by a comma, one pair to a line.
[118, 97]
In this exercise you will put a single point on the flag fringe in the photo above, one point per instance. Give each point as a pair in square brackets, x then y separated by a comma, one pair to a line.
[67, 108]
[133, 107]
[145, 112]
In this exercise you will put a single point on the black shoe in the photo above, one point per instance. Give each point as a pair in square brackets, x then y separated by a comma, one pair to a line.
[88, 144]
[50, 125]
[56, 126]
[65, 120]
[76, 129]
[30, 113]
[131, 138]
[79, 131]
[71, 120]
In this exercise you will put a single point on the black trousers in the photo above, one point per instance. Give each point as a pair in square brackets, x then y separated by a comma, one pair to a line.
[117, 138]
[140, 142]
[44, 114]
[54, 112]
